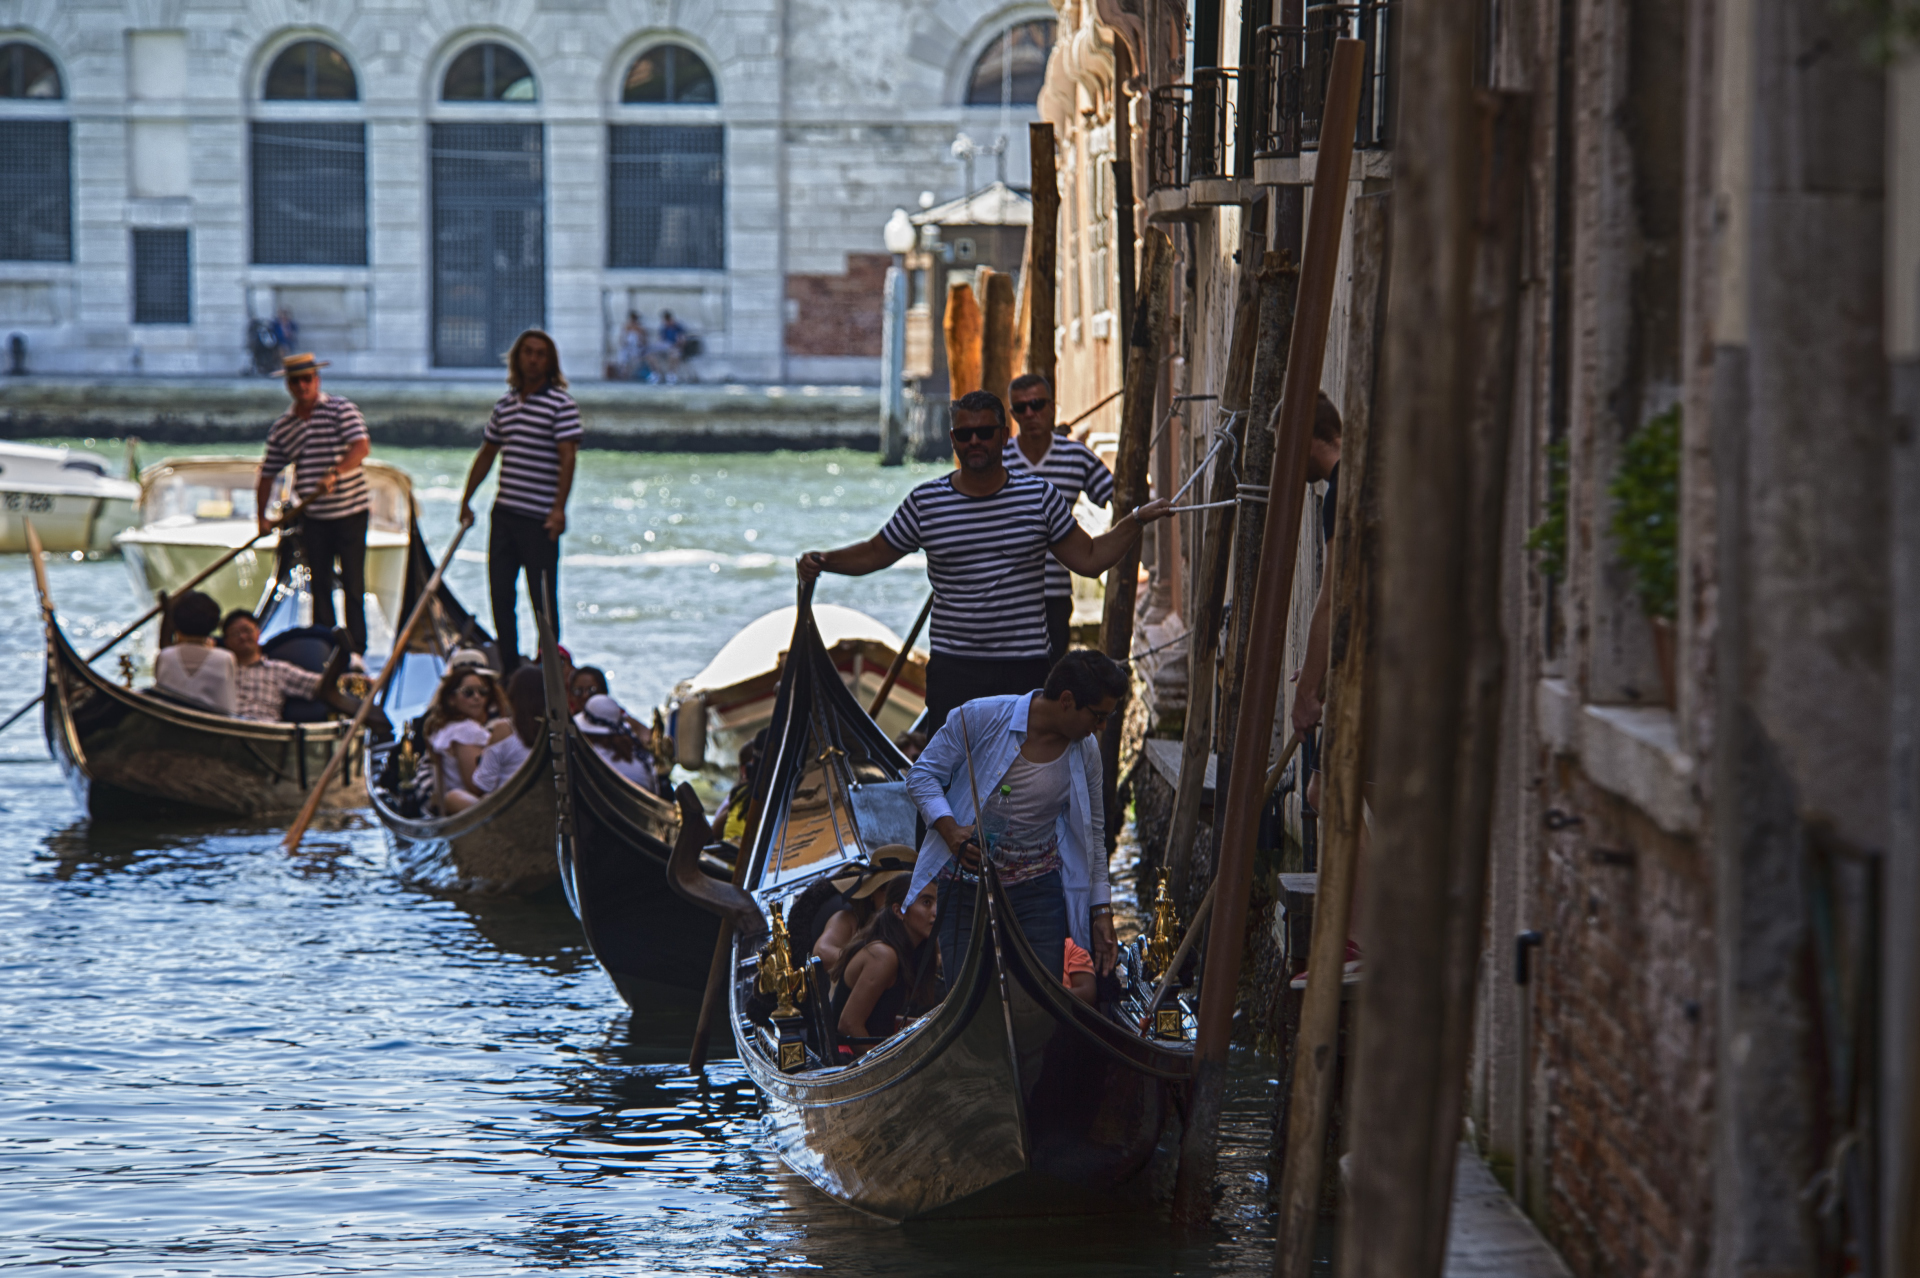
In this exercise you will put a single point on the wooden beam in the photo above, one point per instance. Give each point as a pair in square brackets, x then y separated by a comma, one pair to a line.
[997, 333]
[1244, 795]
[1130, 487]
[1446, 414]
[1354, 567]
[1042, 255]
[963, 323]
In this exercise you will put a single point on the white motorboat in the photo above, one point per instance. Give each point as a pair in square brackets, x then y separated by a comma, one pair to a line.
[75, 504]
[195, 509]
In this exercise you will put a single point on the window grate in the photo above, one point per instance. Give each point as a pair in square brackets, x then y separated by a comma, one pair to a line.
[666, 196]
[162, 278]
[489, 240]
[36, 192]
[310, 194]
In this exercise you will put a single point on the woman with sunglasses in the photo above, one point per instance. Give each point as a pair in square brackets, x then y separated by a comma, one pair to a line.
[324, 438]
[987, 533]
[467, 716]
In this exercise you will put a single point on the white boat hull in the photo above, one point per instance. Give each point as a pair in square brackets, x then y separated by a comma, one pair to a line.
[66, 522]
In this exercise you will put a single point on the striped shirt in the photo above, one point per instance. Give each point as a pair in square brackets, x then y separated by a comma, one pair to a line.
[986, 559]
[528, 433]
[259, 689]
[311, 447]
[1073, 468]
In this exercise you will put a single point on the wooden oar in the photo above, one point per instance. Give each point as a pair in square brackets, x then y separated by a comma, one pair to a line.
[40, 571]
[40, 587]
[900, 661]
[299, 828]
[1206, 902]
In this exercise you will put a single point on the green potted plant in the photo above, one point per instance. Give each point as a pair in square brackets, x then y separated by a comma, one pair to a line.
[1646, 529]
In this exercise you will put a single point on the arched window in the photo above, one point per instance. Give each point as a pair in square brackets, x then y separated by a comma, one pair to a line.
[311, 71]
[489, 73]
[26, 72]
[669, 73]
[36, 170]
[1010, 71]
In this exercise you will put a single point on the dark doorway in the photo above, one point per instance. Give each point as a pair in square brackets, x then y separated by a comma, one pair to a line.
[489, 240]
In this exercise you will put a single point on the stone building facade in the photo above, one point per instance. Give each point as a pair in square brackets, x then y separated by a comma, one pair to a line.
[415, 182]
[1705, 848]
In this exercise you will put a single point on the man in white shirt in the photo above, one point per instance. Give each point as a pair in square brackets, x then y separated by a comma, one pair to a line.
[192, 669]
[1036, 758]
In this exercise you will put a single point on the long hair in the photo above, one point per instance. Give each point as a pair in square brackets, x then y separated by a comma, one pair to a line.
[527, 696]
[441, 712]
[916, 961]
[555, 377]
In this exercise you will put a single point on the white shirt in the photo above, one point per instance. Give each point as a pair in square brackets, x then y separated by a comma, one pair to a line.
[198, 674]
[459, 732]
[1037, 797]
[499, 762]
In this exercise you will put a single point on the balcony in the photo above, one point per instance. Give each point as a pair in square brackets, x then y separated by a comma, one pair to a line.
[1197, 154]
[1291, 91]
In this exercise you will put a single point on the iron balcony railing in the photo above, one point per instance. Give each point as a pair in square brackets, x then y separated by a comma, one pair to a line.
[1170, 106]
[1212, 147]
[1294, 64]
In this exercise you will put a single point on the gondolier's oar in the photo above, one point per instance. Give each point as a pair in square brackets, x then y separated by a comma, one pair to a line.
[40, 573]
[299, 828]
[40, 588]
[1205, 911]
[900, 661]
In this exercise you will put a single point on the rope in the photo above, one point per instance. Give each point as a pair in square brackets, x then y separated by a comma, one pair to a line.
[1158, 647]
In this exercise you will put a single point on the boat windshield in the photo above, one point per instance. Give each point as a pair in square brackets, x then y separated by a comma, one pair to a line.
[197, 490]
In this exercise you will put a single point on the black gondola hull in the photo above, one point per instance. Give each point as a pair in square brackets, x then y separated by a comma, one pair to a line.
[501, 846]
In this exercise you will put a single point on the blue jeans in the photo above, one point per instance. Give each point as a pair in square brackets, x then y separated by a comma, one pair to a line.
[1039, 906]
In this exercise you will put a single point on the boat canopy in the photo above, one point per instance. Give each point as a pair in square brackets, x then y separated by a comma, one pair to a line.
[182, 491]
[756, 649]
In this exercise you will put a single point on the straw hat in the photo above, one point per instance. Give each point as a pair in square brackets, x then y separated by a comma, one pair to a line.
[893, 861]
[302, 363]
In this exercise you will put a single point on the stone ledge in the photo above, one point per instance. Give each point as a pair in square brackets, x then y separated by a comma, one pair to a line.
[1632, 751]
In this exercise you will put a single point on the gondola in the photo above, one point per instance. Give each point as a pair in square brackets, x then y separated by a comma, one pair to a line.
[614, 841]
[502, 845]
[1010, 1096]
[123, 750]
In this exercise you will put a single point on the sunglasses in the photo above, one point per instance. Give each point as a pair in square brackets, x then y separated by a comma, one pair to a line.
[299, 379]
[1024, 406]
[472, 690]
[967, 434]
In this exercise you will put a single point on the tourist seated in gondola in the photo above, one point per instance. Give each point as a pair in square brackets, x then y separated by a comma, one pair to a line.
[889, 971]
[610, 731]
[261, 683]
[1037, 762]
[731, 819]
[527, 699]
[854, 902]
[1079, 980]
[191, 669]
[467, 716]
[583, 683]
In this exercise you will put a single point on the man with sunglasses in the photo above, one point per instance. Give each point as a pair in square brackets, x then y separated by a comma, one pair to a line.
[1069, 466]
[986, 532]
[324, 438]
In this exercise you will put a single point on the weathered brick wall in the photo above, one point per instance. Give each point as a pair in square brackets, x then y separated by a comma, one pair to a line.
[838, 314]
[1624, 1017]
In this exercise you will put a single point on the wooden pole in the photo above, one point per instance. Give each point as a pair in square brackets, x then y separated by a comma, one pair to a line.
[1124, 223]
[962, 325]
[1271, 596]
[298, 829]
[998, 335]
[1210, 594]
[1354, 555]
[716, 991]
[1130, 490]
[900, 659]
[1042, 257]
[1459, 181]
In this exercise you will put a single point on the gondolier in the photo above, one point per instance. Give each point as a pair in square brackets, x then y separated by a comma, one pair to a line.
[1069, 466]
[324, 438]
[986, 532]
[535, 431]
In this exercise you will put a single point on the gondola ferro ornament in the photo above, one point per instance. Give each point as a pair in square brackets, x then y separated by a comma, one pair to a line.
[780, 978]
[1168, 1022]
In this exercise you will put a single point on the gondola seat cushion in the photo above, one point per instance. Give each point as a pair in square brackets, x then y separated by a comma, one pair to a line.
[308, 647]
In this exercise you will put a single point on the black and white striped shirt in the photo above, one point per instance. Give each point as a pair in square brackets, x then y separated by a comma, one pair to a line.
[528, 432]
[313, 445]
[1073, 468]
[986, 559]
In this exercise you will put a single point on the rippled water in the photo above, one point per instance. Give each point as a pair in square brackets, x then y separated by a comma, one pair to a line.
[218, 1059]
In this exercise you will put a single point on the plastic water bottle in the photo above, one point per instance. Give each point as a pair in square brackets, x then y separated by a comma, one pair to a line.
[994, 819]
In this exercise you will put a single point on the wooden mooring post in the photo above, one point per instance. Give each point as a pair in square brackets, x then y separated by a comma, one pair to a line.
[1038, 291]
[1245, 791]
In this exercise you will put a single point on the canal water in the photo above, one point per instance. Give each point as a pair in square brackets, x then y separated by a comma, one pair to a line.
[219, 1059]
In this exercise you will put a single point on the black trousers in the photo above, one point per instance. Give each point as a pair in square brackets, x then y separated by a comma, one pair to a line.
[345, 539]
[954, 681]
[515, 542]
[1059, 626]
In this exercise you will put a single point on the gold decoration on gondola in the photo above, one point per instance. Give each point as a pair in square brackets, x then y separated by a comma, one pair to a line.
[408, 764]
[1160, 943]
[660, 744]
[355, 685]
[778, 975]
[126, 669]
